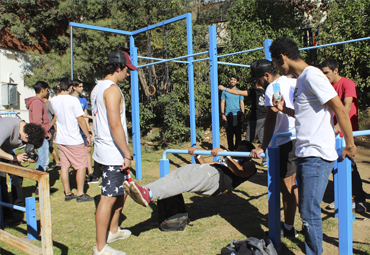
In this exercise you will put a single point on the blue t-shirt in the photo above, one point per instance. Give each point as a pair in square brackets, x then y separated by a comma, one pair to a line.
[232, 102]
[83, 103]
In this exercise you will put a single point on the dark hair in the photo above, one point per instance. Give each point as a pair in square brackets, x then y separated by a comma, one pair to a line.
[285, 46]
[331, 63]
[36, 134]
[111, 68]
[76, 82]
[235, 76]
[247, 144]
[40, 85]
[65, 83]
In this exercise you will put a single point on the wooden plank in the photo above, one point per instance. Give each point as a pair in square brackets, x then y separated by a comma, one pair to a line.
[20, 244]
[21, 171]
[45, 215]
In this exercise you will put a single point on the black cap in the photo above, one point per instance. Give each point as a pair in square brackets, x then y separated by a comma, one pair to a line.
[121, 57]
[259, 68]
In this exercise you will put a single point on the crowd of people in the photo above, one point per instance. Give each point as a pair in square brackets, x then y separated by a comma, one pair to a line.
[309, 99]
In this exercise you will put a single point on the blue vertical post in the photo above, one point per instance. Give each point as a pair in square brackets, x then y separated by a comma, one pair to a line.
[189, 38]
[267, 45]
[345, 205]
[338, 145]
[31, 218]
[71, 39]
[164, 167]
[214, 87]
[135, 110]
[1, 212]
[273, 179]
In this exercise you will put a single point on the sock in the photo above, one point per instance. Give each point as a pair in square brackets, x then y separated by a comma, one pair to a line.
[288, 227]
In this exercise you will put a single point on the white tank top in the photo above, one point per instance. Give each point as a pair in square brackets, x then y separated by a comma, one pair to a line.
[105, 150]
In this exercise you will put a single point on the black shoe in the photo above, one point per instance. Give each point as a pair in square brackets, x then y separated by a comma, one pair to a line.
[361, 207]
[288, 233]
[92, 179]
[84, 198]
[69, 197]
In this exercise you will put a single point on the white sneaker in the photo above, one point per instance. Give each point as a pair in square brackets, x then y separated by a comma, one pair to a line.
[121, 234]
[107, 250]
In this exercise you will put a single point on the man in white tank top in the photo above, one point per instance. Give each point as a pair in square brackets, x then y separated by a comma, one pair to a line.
[111, 150]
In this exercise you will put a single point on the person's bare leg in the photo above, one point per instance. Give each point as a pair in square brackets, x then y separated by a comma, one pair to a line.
[89, 161]
[102, 219]
[80, 180]
[64, 175]
[116, 213]
[289, 192]
[53, 153]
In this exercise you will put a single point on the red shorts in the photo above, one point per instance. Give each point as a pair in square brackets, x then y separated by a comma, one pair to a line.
[74, 155]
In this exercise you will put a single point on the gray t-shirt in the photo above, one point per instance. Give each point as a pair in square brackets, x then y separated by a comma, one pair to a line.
[9, 135]
[50, 110]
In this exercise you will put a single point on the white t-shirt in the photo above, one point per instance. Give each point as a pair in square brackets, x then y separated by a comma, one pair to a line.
[314, 119]
[284, 123]
[67, 109]
[105, 150]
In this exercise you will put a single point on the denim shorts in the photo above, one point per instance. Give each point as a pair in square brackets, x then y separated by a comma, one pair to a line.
[112, 181]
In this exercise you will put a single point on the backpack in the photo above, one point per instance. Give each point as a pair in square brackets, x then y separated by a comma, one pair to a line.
[250, 246]
[172, 214]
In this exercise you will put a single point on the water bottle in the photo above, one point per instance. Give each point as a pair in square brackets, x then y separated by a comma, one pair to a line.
[353, 210]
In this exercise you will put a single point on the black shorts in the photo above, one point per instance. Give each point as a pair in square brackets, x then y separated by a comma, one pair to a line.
[288, 160]
[112, 181]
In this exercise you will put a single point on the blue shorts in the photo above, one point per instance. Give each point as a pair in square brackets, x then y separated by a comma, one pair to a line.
[112, 181]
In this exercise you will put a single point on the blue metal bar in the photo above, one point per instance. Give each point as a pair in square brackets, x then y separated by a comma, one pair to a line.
[16, 207]
[233, 64]
[8, 113]
[162, 23]
[239, 52]
[189, 56]
[185, 62]
[282, 134]
[198, 60]
[268, 43]
[31, 218]
[345, 206]
[337, 43]
[103, 29]
[209, 153]
[189, 38]
[71, 42]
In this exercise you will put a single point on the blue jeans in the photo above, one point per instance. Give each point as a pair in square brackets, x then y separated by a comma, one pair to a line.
[312, 179]
[43, 153]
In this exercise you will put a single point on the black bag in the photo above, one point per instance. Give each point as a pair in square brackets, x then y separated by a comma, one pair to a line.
[172, 214]
[250, 246]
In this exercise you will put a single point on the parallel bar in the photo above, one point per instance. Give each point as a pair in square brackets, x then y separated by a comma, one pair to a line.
[71, 42]
[198, 60]
[171, 59]
[233, 64]
[16, 207]
[268, 43]
[337, 43]
[185, 62]
[239, 52]
[103, 29]
[209, 153]
[162, 23]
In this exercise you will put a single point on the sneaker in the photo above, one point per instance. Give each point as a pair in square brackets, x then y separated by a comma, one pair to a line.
[91, 179]
[84, 198]
[288, 233]
[126, 187]
[101, 185]
[57, 166]
[69, 197]
[139, 194]
[331, 205]
[361, 207]
[121, 234]
[107, 250]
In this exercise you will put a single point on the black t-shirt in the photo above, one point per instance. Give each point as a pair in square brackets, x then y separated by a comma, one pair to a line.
[228, 181]
[257, 97]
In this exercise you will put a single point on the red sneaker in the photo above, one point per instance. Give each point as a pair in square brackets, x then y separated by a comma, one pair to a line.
[139, 194]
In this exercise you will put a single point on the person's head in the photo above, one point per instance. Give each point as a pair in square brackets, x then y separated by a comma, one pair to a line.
[234, 80]
[32, 134]
[77, 86]
[263, 72]
[283, 49]
[65, 84]
[41, 88]
[119, 64]
[245, 146]
[330, 68]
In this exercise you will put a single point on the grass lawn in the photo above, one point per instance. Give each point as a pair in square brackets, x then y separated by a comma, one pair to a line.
[215, 221]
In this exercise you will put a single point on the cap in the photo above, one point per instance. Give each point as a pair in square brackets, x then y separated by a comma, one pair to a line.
[121, 57]
[259, 68]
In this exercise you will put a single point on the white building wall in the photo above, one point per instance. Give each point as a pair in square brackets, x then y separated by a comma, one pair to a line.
[12, 70]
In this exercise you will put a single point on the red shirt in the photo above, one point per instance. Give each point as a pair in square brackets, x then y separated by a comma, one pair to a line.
[347, 88]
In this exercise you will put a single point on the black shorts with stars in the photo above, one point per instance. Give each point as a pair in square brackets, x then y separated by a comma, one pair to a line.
[112, 180]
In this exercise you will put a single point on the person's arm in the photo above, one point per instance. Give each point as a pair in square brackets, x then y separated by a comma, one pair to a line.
[223, 103]
[281, 106]
[347, 104]
[234, 91]
[244, 171]
[345, 125]
[53, 120]
[242, 108]
[12, 157]
[83, 126]
[268, 131]
[113, 100]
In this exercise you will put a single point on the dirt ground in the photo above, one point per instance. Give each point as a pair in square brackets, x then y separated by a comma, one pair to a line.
[361, 227]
